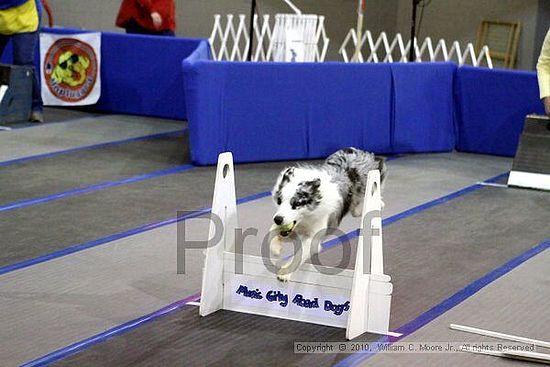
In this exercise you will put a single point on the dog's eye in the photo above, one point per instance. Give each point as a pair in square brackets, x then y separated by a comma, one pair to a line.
[279, 201]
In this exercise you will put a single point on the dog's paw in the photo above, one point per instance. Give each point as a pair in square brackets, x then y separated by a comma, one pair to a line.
[284, 273]
[275, 248]
[357, 211]
[283, 277]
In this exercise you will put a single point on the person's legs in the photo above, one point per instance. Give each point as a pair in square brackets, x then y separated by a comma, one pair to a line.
[24, 47]
[3, 42]
[132, 27]
[167, 33]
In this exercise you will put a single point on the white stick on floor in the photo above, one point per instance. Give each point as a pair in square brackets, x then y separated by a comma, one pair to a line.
[528, 356]
[492, 184]
[394, 334]
[524, 356]
[494, 334]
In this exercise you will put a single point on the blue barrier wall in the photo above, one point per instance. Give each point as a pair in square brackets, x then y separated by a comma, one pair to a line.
[276, 111]
[281, 111]
[423, 105]
[141, 75]
[491, 108]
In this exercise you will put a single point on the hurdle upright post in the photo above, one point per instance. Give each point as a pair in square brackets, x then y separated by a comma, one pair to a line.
[224, 207]
[371, 290]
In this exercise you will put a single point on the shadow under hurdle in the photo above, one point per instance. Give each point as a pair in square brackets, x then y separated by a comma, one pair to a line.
[357, 300]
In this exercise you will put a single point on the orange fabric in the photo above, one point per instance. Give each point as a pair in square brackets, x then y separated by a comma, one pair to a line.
[48, 9]
[140, 11]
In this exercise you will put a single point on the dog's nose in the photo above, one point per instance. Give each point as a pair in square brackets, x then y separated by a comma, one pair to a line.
[278, 220]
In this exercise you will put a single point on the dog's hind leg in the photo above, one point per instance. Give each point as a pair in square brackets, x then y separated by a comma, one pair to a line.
[356, 208]
[357, 197]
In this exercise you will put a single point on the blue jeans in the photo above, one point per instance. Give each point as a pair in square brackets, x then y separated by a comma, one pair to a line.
[132, 27]
[24, 48]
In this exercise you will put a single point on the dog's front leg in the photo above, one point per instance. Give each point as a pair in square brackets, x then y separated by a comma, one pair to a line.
[297, 260]
[276, 245]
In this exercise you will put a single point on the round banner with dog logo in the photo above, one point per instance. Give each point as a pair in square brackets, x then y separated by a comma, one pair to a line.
[70, 68]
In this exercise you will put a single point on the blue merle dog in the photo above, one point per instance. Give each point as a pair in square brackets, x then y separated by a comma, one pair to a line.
[311, 199]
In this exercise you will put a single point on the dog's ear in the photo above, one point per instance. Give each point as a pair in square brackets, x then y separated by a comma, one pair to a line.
[285, 176]
[282, 180]
[289, 172]
[314, 184]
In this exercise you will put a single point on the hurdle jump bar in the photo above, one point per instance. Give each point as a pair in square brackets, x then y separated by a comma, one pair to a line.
[357, 300]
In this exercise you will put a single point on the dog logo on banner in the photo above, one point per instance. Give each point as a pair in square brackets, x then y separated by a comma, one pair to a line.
[70, 68]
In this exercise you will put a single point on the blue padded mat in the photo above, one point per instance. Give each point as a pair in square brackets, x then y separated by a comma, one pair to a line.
[491, 108]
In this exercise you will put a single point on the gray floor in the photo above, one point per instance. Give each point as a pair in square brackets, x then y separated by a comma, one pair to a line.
[52, 304]
[42, 177]
[75, 296]
[427, 254]
[102, 213]
[53, 115]
[516, 304]
[49, 138]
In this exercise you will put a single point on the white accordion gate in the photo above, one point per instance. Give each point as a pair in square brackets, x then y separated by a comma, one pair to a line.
[292, 37]
[357, 300]
[397, 51]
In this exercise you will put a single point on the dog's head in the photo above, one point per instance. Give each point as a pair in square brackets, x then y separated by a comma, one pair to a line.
[296, 194]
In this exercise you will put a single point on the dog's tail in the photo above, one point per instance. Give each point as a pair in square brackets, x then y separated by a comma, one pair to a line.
[356, 163]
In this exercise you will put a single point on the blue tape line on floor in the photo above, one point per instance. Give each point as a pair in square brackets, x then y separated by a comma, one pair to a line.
[137, 230]
[121, 329]
[117, 236]
[99, 338]
[449, 303]
[88, 189]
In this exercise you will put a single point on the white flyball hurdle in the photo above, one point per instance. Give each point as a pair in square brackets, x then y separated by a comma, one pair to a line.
[357, 300]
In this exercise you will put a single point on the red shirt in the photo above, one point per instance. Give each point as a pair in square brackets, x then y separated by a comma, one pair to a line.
[140, 11]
